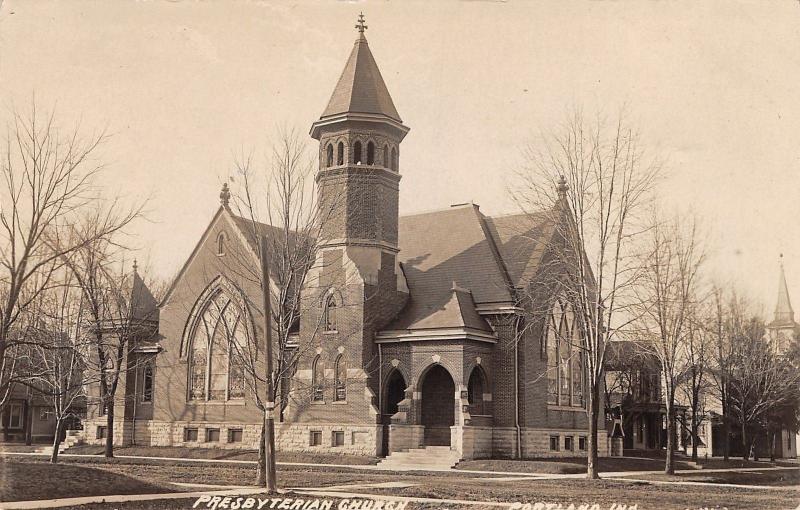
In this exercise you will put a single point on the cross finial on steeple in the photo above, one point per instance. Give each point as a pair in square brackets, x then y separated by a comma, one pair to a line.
[360, 25]
[224, 195]
[135, 266]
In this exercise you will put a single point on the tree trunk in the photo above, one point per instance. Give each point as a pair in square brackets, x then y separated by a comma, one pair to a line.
[745, 446]
[109, 452]
[771, 443]
[56, 441]
[726, 443]
[28, 422]
[594, 412]
[695, 436]
[669, 465]
[261, 468]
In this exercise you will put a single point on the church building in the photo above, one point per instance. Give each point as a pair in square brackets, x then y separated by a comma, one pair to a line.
[412, 334]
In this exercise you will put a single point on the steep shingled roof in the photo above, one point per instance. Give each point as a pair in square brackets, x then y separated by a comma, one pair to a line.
[361, 88]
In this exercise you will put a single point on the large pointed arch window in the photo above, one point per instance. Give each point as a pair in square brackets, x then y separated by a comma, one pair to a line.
[217, 351]
[340, 379]
[317, 380]
[565, 368]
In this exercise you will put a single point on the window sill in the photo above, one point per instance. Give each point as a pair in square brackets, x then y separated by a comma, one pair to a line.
[339, 402]
[552, 407]
[317, 402]
[216, 402]
[332, 332]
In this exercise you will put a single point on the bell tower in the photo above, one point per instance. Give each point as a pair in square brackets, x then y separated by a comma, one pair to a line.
[359, 137]
[356, 285]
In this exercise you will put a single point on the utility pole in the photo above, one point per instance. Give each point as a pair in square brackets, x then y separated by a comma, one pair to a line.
[269, 415]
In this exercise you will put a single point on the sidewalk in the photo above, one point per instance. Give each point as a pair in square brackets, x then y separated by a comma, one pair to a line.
[370, 467]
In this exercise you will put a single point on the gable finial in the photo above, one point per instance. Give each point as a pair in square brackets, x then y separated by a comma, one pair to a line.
[562, 187]
[224, 195]
[135, 267]
[360, 26]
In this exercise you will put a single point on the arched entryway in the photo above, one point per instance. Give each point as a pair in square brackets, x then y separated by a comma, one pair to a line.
[476, 387]
[438, 406]
[394, 392]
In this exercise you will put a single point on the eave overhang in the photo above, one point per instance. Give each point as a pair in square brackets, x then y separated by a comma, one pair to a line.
[316, 127]
[423, 335]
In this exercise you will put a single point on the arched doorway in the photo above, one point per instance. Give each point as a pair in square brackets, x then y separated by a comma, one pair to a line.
[438, 406]
[393, 393]
[476, 387]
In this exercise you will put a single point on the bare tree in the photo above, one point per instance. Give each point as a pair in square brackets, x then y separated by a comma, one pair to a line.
[763, 381]
[118, 311]
[603, 179]
[696, 382]
[295, 224]
[48, 176]
[56, 357]
[725, 316]
[667, 291]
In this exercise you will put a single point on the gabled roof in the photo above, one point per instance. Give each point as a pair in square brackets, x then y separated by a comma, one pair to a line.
[361, 88]
[522, 240]
[457, 312]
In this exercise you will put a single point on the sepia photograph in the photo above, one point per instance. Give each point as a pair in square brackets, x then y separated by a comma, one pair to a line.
[399, 255]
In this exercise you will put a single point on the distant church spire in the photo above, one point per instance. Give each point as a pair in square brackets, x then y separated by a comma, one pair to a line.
[784, 314]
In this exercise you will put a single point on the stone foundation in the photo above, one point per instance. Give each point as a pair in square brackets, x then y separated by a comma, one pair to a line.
[358, 439]
[405, 437]
[536, 443]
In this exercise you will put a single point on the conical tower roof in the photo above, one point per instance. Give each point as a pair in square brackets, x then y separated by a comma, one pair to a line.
[144, 306]
[361, 88]
[784, 314]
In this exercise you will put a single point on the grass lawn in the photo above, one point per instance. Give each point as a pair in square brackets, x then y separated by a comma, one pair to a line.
[17, 447]
[570, 465]
[221, 453]
[782, 478]
[96, 475]
[31, 479]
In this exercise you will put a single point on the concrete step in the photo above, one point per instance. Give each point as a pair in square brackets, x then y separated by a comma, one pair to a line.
[429, 458]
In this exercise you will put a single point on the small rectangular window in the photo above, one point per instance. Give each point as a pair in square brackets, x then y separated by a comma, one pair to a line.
[315, 438]
[212, 435]
[235, 435]
[338, 438]
[568, 446]
[190, 434]
[15, 416]
[44, 414]
[582, 443]
[102, 432]
[554, 443]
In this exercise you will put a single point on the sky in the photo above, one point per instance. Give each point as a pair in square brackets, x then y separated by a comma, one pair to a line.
[184, 87]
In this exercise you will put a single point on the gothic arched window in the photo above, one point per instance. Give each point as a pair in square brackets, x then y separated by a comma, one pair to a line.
[317, 379]
[394, 159]
[385, 156]
[329, 156]
[340, 154]
[217, 347]
[147, 382]
[221, 243]
[565, 367]
[340, 379]
[370, 153]
[329, 313]
[357, 153]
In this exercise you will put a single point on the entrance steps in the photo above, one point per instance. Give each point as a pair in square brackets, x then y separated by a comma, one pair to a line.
[430, 458]
[73, 438]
